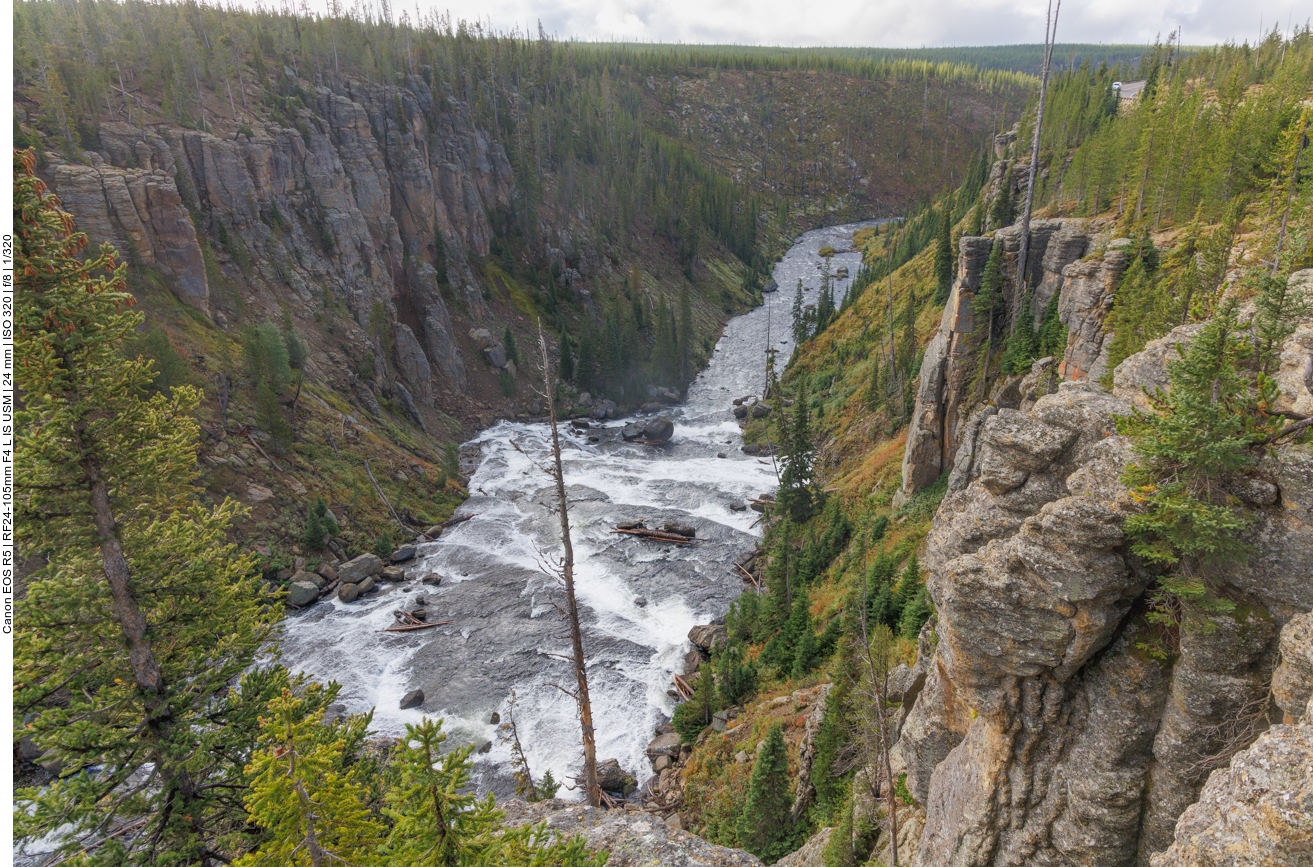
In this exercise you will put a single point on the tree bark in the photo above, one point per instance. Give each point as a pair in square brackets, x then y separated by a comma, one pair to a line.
[1050, 33]
[591, 791]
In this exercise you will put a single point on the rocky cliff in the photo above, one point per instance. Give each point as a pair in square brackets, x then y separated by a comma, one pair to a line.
[371, 203]
[1056, 724]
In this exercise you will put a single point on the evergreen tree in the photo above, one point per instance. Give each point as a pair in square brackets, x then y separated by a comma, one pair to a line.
[806, 652]
[567, 359]
[686, 336]
[269, 415]
[1139, 312]
[1052, 336]
[293, 344]
[508, 341]
[694, 715]
[1201, 435]
[764, 828]
[144, 614]
[311, 801]
[800, 329]
[796, 496]
[1023, 341]
[944, 258]
[736, 679]
[267, 359]
[915, 613]
[987, 309]
[1000, 214]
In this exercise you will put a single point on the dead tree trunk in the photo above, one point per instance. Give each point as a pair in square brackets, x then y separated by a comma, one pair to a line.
[1050, 34]
[591, 791]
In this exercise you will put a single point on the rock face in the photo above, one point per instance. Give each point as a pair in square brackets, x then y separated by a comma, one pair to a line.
[140, 212]
[1258, 812]
[373, 203]
[633, 839]
[1044, 731]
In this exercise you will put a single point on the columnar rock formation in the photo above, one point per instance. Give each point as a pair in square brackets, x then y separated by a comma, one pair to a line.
[366, 202]
[1057, 725]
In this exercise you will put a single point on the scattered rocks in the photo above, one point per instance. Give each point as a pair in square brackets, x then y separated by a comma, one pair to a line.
[404, 553]
[392, 575]
[366, 585]
[327, 570]
[414, 698]
[604, 409]
[348, 592]
[362, 567]
[664, 745]
[432, 579]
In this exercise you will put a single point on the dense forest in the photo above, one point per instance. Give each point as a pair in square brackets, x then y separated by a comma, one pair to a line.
[665, 180]
[1205, 175]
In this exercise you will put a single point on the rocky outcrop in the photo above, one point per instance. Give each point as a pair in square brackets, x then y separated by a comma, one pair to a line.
[633, 838]
[1258, 812]
[1083, 306]
[140, 212]
[943, 416]
[370, 201]
[1049, 730]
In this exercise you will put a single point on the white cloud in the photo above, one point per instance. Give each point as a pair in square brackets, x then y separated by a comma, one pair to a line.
[885, 23]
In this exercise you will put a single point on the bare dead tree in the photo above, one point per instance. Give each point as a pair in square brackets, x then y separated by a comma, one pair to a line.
[869, 723]
[1050, 34]
[592, 792]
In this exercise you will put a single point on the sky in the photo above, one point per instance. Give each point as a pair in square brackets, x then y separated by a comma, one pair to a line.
[883, 23]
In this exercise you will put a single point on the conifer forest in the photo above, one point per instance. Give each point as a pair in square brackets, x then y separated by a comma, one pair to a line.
[444, 445]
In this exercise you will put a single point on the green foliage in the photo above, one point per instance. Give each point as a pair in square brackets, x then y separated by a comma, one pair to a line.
[311, 802]
[130, 636]
[318, 523]
[266, 355]
[171, 370]
[1201, 436]
[1000, 213]
[296, 348]
[944, 258]
[796, 496]
[384, 545]
[765, 828]
[691, 717]
[901, 791]
[269, 417]
[508, 341]
[506, 381]
[736, 678]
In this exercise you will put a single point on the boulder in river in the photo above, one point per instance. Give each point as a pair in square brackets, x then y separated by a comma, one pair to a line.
[740, 411]
[629, 525]
[579, 424]
[362, 567]
[751, 449]
[664, 745]
[631, 431]
[651, 408]
[302, 593]
[348, 592]
[659, 429]
[405, 552]
[612, 777]
[603, 409]
[366, 585]
[708, 637]
[414, 698]
[392, 574]
[681, 529]
[432, 579]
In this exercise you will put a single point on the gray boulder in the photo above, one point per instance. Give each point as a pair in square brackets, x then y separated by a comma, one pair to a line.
[348, 592]
[405, 552]
[631, 431]
[681, 529]
[366, 585]
[664, 745]
[302, 593]
[603, 409]
[362, 567]
[708, 637]
[612, 777]
[659, 429]
[740, 411]
[414, 698]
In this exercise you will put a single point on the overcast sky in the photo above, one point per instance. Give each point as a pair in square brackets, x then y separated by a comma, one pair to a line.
[884, 23]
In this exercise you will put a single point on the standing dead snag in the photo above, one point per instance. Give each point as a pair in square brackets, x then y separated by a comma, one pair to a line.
[566, 574]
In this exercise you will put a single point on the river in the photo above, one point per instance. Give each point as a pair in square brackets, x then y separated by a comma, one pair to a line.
[637, 600]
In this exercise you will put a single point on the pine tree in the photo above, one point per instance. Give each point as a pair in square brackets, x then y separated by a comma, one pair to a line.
[915, 613]
[311, 801]
[266, 356]
[1023, 341]
[144, 614]
[800, 330]
[736, 679]
[1000, 214]
[694, 715]
[686, 336]
[1201, 435]
[987, 308]
[1052, 336]
[796, 497]
[944, 258]
[508, 341]
[806, 651]
[764, 828]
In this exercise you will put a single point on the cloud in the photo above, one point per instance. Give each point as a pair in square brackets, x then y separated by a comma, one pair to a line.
[884, 23]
